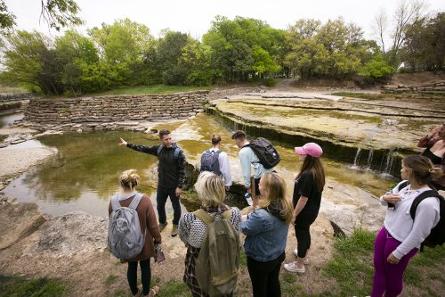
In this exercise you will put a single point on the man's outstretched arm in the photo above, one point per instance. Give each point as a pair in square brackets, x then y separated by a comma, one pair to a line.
[152, 150]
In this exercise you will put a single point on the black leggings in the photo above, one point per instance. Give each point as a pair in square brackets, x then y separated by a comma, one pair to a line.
[265, 276]
[302, 232]
[132, 276]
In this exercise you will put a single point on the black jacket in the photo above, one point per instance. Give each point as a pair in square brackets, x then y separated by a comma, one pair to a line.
[171, 168]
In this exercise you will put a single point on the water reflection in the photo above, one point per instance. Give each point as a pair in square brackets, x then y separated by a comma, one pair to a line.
[84, 173]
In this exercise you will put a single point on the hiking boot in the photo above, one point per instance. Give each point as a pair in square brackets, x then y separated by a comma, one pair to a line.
[294, 268]
[174, 230]
[306, 259]
[162, 227]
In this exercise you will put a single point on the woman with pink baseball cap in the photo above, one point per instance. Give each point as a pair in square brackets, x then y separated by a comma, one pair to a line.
[309, 185]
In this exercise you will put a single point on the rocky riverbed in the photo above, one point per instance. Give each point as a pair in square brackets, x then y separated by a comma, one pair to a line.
[72, 245]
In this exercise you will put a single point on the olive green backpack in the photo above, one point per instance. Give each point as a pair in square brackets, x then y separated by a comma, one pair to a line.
[217, 264]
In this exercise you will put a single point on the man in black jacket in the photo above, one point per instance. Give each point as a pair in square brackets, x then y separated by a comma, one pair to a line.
[171, 175]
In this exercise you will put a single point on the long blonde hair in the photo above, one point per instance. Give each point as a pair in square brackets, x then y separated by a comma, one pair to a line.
[276, 195]
[210, 189]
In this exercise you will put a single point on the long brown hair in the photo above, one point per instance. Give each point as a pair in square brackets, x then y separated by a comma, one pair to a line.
[314, 166]
[276, 195]
[422, 169]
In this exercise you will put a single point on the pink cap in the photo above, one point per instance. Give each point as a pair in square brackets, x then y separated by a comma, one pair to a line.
[312, 149]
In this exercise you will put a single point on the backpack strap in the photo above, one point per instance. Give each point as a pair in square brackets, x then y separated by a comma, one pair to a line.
[159, 149]
[227, 215]
[420, 198]
[175, 153]
[402, 185]
[115, 204]
[203, 216]
[135, 202]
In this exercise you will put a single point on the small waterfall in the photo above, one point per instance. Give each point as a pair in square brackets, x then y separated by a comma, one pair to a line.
[370, 155]
[387, 163]
[357, 155]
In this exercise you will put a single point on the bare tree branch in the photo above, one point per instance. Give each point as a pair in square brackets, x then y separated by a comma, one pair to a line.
[406, 13]
[380, 27]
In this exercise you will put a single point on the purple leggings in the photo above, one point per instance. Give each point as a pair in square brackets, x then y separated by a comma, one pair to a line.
[388, 278]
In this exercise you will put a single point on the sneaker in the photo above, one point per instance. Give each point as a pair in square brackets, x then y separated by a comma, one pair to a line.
[174, 230]
[293, 267]
[162, 227]
[306, 259]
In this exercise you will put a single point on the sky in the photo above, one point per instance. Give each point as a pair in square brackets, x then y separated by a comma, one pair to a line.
[195, 17]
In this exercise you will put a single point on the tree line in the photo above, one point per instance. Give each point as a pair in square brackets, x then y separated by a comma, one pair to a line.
[125, 53]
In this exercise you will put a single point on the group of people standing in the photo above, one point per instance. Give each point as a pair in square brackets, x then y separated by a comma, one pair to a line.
[267, 221]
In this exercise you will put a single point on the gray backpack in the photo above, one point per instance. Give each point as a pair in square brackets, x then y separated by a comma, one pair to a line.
[125, 238]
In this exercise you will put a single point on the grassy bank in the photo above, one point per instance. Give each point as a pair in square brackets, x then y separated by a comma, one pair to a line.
[348, 273]
[154, 89]
[351, 270]
[11, 286]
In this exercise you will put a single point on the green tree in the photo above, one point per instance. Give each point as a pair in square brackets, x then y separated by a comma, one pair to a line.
[122, 46]
[424, 46]
[75, 54]
[376, 69]
[196, 58]
[232, 43]
[168, 53]
[23, 59]
[334, 49]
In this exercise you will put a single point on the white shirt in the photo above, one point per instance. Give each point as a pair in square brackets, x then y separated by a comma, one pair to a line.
[401, 226]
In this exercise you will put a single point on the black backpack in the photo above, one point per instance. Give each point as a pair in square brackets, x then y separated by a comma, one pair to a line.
[437, 235]
[265, 152]
[210, 162]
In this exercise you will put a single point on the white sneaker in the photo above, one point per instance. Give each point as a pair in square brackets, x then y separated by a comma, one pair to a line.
[292, 267]
[306, 259]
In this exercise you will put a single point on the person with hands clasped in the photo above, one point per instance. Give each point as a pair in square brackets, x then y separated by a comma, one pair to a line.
[402, 235]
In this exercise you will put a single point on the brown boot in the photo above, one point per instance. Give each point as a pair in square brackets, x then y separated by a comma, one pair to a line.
[174, 230]
[162, 227]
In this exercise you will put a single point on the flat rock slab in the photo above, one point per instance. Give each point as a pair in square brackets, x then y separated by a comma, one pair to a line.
[15, 160]
[329, 97]
[17, 221]
[286, 95]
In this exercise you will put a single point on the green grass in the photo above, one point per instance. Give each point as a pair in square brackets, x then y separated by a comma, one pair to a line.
[351, 264]
[12, 286]
[111, 279]
[174, 289]
[351, 267]
[154, 89]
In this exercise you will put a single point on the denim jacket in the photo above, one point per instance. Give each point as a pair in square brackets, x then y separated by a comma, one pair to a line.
[266, 236]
